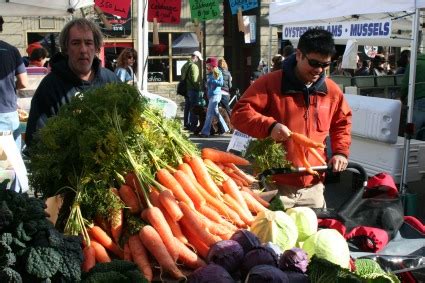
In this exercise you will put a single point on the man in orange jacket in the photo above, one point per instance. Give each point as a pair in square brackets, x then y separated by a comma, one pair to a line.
[299, 98]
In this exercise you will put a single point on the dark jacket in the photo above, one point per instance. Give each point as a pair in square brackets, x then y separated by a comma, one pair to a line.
[58, 88]
[227, 80]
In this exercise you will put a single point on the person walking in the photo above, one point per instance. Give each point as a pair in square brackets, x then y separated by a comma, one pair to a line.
[227, 85]
[214, 84]
[73, 70]
[11, 67]
[125, 69]
[190, 72]
[302, 99]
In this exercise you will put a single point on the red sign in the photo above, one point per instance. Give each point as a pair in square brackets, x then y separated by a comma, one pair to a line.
[115, 7]
[165, 11]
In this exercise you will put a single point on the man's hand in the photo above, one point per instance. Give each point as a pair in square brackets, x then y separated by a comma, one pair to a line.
[280, 133]
[338, 162]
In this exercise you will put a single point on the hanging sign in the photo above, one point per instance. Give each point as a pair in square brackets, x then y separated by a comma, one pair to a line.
[343, 30]
[118, 8]
[243, 4]
[250, 23]
[165, 11]
[121, 27]
[203, 10]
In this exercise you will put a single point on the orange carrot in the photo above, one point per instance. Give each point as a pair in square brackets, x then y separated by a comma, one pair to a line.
[188, 257]
[100, 221]
[252, 203]
[192, 221]
[246, 217]
[156, 218]
[221, 207]
[166, 179]
[216, 229]
[317, 155]
[117, 219]
[256, 196]
[102, 238]
[130, 199]
[230, 187]
[238, 180]
[301, 155]
[195, 242]
[248, 178]
[154, 197]
[214, 166]
[127, 253]
[215, 216]
[223, 156]
[132, 181]
[166, 198]
[89, 261]
[187, 169]
[154, 244]
[305, 141]
[140, 256]
[190, 189]
[100, 251]
[203, 177]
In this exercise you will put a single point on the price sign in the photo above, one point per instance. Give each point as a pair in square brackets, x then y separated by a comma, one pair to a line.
[115, 7]
[243, 4]
[165, 11]
[203, 10]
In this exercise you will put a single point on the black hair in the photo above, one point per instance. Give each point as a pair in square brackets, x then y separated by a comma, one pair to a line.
[38, 54]
[317, 41]
[404, 58]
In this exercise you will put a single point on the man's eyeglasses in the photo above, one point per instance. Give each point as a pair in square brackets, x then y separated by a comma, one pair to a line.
[317, 64]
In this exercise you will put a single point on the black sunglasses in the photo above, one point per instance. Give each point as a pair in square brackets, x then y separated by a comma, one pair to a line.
[317, 64]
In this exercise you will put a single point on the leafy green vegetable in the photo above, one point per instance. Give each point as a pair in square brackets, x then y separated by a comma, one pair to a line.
[266, 154]
[276, 227]
[119, 271]
[321, 270]
[371, 271]
[328, 244]
[276, 204]
[305, 219]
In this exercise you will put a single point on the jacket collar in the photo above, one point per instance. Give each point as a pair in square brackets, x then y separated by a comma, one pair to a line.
[290, 82]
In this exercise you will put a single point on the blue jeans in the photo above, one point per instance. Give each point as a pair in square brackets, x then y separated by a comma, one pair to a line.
[190, 119]
[10, 122]
[419, 118]
[212, 111]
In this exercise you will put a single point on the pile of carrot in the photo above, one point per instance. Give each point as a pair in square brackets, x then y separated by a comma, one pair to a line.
[185, 211]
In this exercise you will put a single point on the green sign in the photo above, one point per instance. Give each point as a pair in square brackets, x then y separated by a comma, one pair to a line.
[203, 10]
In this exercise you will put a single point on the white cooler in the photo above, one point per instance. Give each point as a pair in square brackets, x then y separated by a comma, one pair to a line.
[377, 157]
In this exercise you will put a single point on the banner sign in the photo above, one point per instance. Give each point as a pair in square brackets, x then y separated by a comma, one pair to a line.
[165, 11]
[343, 30]
[203, 10]
[118, 8]
[244, 4]
[250, 23]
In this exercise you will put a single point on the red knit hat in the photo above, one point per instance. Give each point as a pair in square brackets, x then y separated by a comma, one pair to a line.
[212, 61]
[33, 46]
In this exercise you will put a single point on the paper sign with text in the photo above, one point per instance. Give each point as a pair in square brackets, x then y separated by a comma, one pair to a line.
[244, 4]
[203, 10]
[165, 11]
[239, 141]
[115, 7]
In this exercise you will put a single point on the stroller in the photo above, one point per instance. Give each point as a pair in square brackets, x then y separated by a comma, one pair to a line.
[373, 223]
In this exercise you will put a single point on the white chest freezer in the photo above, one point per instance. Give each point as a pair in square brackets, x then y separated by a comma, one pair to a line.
[377, 157]
[375, 118]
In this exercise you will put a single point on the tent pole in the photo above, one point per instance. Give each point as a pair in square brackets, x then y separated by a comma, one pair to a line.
[270, 50]
[410, 99]
[142, 46]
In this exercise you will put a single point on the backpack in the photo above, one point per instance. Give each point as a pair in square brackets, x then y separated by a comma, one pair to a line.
[182, 85]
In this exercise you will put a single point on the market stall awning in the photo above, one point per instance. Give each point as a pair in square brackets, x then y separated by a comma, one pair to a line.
[41, 7]
[186, 40]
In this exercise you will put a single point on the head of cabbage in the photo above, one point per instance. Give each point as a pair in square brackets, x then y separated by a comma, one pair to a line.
[328, 244]
[305, 219]
[276, 227]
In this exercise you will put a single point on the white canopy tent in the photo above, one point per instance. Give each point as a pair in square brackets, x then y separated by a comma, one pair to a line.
[45, 8]
[301, 11]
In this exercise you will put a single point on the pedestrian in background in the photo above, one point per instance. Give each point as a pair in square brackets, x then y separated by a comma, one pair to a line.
[11, 67]
[126, 65]
[227, 84]
[214, 84]
[191, 74]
